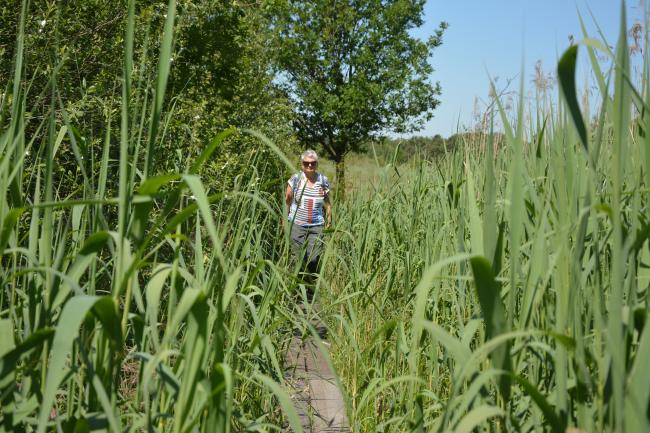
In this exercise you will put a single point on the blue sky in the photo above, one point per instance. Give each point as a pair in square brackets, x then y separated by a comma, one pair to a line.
[493, 36]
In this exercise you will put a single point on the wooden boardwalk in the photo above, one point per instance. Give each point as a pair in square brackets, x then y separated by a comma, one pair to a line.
[315, 392]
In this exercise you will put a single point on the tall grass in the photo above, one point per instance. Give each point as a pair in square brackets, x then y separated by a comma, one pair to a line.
[502, 287]
[506, 289]
[163, 308]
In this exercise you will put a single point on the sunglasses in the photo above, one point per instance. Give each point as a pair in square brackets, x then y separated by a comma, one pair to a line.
[310, 163]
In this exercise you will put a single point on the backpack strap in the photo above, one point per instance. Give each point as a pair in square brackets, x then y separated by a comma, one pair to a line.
[295, 186]
[295, 179]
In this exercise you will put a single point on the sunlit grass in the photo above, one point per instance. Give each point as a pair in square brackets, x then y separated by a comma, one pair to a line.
[164, 308]
[497, 288]
[556, 223]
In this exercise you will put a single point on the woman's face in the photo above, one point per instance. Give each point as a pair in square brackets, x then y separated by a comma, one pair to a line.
[309, 165]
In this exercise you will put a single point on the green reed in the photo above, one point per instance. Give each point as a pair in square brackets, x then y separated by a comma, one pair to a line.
[504, 287]
[164, 308]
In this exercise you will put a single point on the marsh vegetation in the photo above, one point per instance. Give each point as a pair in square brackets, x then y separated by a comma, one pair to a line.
[499, 284]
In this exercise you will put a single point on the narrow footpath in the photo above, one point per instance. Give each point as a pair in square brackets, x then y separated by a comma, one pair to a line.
[316, 396]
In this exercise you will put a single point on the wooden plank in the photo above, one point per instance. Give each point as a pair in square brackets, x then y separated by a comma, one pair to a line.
[318, 400]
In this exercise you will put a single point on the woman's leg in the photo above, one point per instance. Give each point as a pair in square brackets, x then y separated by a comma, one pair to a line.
[298, 237]
[315, 247]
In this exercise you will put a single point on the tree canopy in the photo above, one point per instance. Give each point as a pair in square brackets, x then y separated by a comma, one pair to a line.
[345, 72]
[354, 70]
[220, 77]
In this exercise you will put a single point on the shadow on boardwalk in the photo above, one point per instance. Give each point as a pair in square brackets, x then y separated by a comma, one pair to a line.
[317, 398]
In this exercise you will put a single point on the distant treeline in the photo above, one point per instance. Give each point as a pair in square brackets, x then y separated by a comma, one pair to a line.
[428, 148]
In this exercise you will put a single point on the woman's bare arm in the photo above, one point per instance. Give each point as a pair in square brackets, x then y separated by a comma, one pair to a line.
[288, 196]
[327, 205]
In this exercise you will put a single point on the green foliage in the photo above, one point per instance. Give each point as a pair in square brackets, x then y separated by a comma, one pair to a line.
[402, 150]
[111, 277]
[520, 255]
[220, 77]
[222, 72]
[353, 70]
[136, 299]
[413, 149]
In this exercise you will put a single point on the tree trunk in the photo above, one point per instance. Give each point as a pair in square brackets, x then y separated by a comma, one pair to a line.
[340, 178]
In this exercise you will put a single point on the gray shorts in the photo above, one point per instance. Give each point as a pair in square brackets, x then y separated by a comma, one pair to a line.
[306, 243]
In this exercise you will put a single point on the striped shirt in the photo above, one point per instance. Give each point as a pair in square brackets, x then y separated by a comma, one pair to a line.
[307, 204]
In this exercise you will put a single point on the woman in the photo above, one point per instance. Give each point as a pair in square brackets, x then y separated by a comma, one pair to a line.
[308, 202]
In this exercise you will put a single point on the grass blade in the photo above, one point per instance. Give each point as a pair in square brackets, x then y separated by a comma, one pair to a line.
[494, 315]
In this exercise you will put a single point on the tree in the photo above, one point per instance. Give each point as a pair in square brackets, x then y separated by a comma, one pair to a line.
[223, 76]
[354, 70]
[220, 77]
